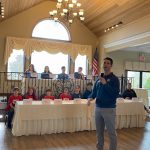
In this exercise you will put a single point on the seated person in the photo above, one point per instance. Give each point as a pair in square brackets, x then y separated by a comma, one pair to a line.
[129, 93]
[77, 92]
[63, 75]
[79, 74]
[46, 74]
[30, 94]
[11, 105]
[65, 95]
[88, 90]
[48, 95]
[30, 72]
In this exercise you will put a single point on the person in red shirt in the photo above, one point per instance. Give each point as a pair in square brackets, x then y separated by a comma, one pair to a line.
[11, 105]
[65, 95]
[30, 94]
[49, 95]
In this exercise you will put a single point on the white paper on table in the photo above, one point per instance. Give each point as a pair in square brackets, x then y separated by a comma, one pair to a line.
[27, 101]
[77, 100]
[57, 101]
[46, 101]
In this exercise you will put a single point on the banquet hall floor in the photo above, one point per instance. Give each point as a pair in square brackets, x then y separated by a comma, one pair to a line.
[128, 139]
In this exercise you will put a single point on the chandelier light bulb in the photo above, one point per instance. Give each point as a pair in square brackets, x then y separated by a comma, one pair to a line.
[70, 5]
[70, 21]
[55, 18]
[82, 18]
[54, 12]
[81, 12]
[78, 4]
[66, 0]
[59, 1]
[74, 1]
[62, 14]
[58, 5]
[65, 10]
[51, 13]
[75, 14]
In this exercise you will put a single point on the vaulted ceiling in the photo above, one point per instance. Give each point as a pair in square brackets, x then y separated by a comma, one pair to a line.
[99, 14]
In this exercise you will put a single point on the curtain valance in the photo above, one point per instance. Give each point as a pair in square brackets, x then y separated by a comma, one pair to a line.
[31, 44]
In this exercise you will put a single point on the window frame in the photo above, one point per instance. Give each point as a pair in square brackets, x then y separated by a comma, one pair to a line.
[87, 66]
[60, 67]
[24, 64]
[57, 40]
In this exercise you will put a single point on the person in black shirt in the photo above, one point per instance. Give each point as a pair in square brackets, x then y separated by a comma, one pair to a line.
[46, 74]
[79, 74]
[129, 92]
[63, 75]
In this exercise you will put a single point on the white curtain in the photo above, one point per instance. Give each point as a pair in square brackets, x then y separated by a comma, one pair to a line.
[31, 44]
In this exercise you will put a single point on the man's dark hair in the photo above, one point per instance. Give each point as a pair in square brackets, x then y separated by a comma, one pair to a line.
[110, 59]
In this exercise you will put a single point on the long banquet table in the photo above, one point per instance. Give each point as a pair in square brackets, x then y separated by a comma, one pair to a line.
[38, 118]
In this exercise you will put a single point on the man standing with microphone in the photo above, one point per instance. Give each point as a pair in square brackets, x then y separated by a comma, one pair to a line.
[106, 90]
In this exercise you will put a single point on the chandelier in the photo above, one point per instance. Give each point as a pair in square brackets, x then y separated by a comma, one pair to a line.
[68, 11]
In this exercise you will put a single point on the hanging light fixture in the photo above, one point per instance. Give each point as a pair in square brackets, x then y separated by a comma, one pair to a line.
[68, 11]
[1, 10]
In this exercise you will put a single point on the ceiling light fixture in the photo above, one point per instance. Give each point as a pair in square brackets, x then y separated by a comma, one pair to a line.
[1, 10]
[113, 27]
[68, 11]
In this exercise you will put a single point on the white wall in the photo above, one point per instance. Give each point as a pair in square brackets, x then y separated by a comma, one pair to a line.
[119, 58]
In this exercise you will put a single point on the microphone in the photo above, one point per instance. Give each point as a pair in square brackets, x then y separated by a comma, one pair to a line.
[102, 75]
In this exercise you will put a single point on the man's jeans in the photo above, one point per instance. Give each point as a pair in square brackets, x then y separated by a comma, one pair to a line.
[105, 117]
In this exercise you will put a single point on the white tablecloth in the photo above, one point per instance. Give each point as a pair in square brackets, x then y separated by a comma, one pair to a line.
[38, 118]
[46, 119]
[128, 114]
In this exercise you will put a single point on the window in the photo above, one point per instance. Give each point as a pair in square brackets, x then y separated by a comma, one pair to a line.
[135, 76]
[140, 79]
[81, 61]
[51, 29]
[14, 68]
[54, 61]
